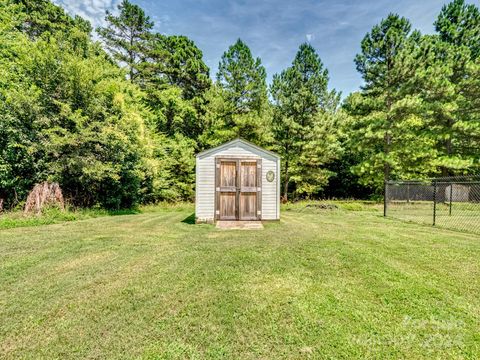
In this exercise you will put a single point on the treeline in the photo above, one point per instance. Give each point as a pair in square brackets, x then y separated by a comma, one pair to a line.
[117, 121]
[418, 113]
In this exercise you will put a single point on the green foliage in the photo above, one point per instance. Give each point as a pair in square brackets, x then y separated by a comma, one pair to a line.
[171, 72]
[176, 60]
[126, 35]
[469, 104]
[305, 123]
[458, 56]
[385, 125]
[459, 24]
[176, 79]
[221, 123]
[174, 173]
[437, 65]
[417, 114]
[344, 183]
[379, 49]
[237, 106]
[70, 117]
[173, 114]
[69, 114]
[17, 140]
[243, 79]
[41, 17]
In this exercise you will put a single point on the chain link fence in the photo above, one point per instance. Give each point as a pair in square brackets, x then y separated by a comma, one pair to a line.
[449, 202]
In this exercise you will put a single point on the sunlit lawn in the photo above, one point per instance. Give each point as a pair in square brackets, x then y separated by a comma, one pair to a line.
[462, 216]
[319, 284]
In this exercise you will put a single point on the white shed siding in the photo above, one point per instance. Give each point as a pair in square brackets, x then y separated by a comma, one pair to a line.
[269, 190]
[205, 188]
[205, 180]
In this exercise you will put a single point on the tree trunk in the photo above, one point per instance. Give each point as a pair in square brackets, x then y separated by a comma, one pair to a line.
[386, 165]
[285, 186]
[285, 192]
[42, 195]
[131, 55]
[388, 136]
[448, 148]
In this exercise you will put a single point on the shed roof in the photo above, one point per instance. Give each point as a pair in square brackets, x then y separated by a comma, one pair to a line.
[234, 142]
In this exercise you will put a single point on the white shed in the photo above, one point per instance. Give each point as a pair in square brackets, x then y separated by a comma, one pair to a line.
[237, 181]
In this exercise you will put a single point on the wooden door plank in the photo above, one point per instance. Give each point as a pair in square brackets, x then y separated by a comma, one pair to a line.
[248, 174]
[248, 206]
[227, 189]
[248, 190]
[228, 174]
[237, 198]
[227, 206]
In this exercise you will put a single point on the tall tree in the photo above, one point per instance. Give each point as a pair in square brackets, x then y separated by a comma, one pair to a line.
[470, 106]
[304, 123]
[41, 16]
[176, 80]
[237, 106]
[70, 116]
[171, 71]
[436, 82]
[378, 116]
[459, 24]
[243, 79]
[126, 35]
[176, 60]
[457, 54]
[412, 118]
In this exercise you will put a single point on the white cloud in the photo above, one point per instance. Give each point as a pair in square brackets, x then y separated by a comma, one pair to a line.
[91, 10]
[309, 37]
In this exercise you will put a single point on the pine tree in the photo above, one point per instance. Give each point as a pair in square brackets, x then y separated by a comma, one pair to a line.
[459, 24]
[304, 123]
[388, 128]
[125, 37]
[375, 63]
[243, 79]
[237, 104]
[176, 60]
[175, 82]
[457, 55]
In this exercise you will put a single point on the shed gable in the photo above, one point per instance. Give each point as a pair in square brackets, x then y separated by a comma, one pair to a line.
[238, 147]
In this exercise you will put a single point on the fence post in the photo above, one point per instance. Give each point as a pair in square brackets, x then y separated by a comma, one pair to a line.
[385, 198]
[434, 202]
[451, 195]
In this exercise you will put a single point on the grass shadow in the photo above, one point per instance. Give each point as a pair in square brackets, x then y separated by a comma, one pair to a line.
[123, 212]
[190, 219]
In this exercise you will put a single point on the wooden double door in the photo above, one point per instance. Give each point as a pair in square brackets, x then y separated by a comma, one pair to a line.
[238, 189]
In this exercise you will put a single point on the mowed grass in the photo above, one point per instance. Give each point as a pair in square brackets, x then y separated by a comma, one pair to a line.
[462, 217]
[318, 284]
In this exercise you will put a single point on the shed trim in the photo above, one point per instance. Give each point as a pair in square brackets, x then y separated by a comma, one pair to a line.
[235, 141]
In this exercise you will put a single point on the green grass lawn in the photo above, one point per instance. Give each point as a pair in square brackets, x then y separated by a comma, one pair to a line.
[319, 284]
[462, 217]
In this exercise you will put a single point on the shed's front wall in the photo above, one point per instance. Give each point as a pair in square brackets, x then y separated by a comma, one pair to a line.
[205, 182]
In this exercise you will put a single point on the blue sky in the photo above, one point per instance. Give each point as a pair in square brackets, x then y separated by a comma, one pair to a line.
[275, 28]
